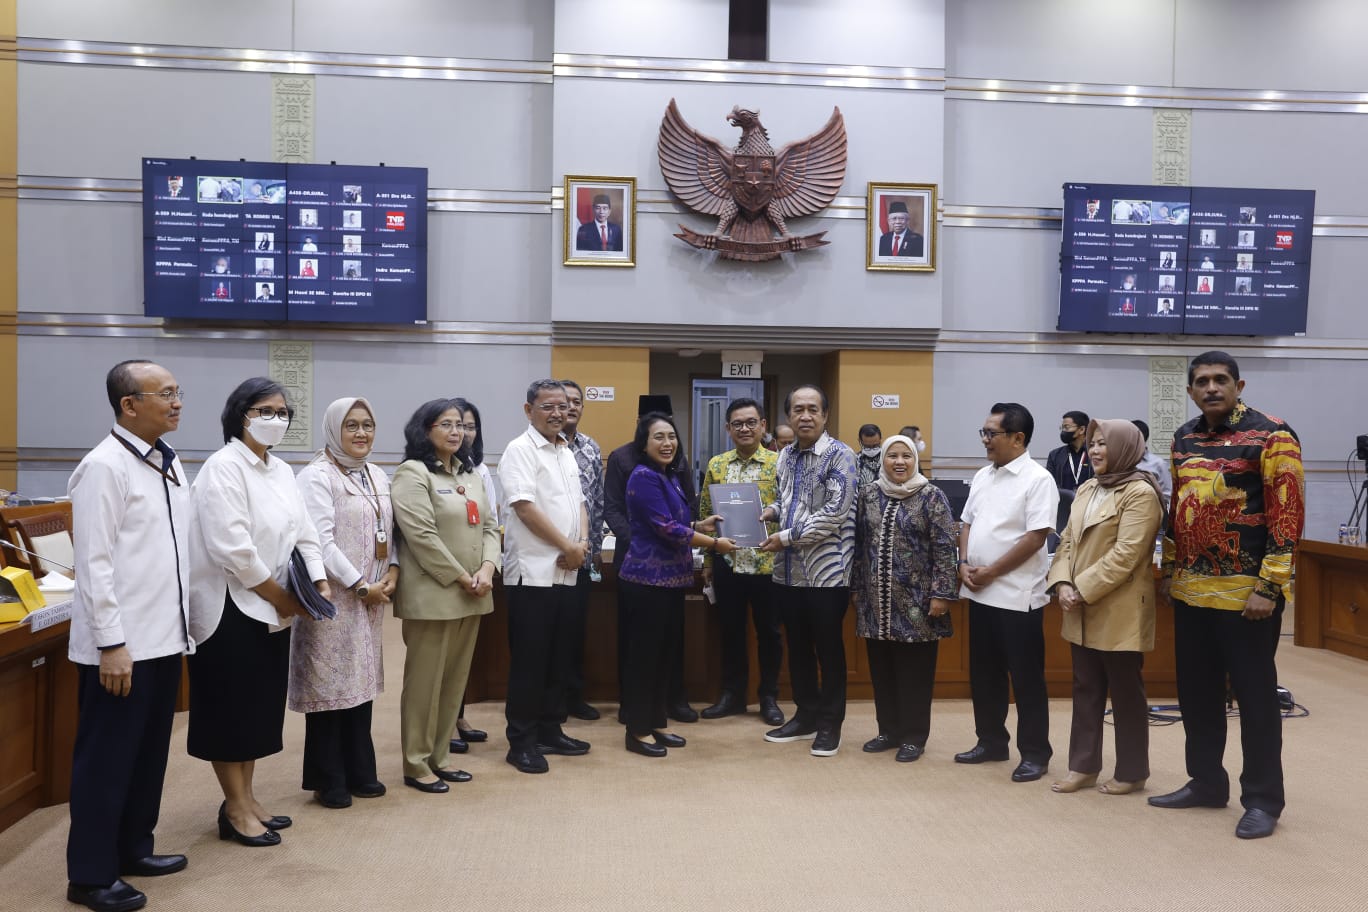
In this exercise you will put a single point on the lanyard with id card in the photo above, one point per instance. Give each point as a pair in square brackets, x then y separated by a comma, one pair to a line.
[472, 508]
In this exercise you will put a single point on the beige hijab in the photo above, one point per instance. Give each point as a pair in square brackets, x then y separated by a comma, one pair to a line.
[1125, 449]
[909, 487]
[332, 432]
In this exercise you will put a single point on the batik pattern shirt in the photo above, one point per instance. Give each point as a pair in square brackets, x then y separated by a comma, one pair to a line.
[731, 468]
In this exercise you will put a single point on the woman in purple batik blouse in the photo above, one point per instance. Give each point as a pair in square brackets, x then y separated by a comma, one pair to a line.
[654, 575]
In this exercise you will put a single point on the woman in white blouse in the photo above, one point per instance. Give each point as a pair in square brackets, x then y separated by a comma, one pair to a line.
[336, 668]
[249, 518]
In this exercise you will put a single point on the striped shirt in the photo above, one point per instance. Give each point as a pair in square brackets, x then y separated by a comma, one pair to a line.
[589, 458]
[817, 489]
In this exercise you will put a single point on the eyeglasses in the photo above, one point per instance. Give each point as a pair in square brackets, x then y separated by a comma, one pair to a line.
[448, 426]
[470, 428]
[166, 395]
[987, 434]
[351, 427]
[269, 414]
[1068, 427]
[749, 424]
[550, 409]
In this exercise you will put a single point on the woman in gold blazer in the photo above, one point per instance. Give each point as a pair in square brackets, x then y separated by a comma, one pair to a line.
[1103, 580]
[448, 553]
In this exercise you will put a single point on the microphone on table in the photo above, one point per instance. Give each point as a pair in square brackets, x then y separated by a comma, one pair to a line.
[38, 557]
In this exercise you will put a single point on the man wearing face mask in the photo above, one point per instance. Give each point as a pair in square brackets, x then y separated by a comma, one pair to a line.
[1068, 464]
[870, 456]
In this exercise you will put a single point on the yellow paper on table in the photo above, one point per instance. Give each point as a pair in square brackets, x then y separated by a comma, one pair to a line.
[23, 586]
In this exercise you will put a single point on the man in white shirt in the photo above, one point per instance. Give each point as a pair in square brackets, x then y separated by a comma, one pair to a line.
[130, 504]
[546, 541]
[1003, 564]
[1155, 465]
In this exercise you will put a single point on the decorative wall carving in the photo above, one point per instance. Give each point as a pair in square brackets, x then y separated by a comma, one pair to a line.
[292, 118]
[1168, 401]
[1172, 146]
[291, 365]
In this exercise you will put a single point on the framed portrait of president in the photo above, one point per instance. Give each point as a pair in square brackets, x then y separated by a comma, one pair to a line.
[600, 221]
[900, 227]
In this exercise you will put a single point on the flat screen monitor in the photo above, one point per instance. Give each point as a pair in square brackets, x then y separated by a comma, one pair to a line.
[1194, 260]
[261, 241]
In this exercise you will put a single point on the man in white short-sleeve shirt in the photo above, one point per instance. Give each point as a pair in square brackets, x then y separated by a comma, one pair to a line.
[1010, 512]
[546, 541]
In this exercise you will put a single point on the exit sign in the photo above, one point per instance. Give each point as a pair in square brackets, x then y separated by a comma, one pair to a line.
[741, 370]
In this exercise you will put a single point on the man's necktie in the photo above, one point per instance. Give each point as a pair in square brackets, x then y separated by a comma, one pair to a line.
[895, 245]
[603, 233]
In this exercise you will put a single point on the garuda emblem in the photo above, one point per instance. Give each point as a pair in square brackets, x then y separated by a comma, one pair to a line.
[751, 189]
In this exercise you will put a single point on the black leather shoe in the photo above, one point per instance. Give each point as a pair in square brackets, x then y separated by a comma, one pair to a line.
[154, 866]
[336, 798]
[527, 761]
[458, 745]
[1256, 824]
[683, 712]
[278, 822]
[645, 748]
[907, 753]
[770, 713]
[1187, 797]
[117, 897]
[453, 775]
[563, 746]
[1029, 771]
[880, 743]
[583, 711]
[729, 704]
[980, 754]
[792, 730]
[369, 790]
[827, 742]
[432, 788]
[228, 831]
[668, 739]
[473, 735]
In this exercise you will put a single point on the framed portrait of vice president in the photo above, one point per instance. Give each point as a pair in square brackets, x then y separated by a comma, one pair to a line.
[900, 227]
[600, 221]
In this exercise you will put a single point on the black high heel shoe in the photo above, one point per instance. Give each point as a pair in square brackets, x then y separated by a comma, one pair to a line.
[473, 735]
[450, 775]
[645, 748]
[228, 831]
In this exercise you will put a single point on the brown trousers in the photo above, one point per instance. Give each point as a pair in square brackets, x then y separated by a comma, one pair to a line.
[1095, 673]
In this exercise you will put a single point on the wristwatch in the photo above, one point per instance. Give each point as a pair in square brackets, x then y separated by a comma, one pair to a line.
[362, 589]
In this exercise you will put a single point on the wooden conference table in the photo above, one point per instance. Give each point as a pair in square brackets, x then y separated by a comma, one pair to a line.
[703, 653]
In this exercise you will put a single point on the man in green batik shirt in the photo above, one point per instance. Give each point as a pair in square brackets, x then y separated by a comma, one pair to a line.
[743, 577]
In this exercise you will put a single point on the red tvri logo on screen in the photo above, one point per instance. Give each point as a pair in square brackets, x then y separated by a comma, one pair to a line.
[1282, 239]
[394, 221]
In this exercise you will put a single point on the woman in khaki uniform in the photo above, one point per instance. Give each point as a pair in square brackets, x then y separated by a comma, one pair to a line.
[448, 553]
[1103, 580]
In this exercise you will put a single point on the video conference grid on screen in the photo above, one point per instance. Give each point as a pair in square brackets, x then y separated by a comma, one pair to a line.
[1200, 260]
[238, 240]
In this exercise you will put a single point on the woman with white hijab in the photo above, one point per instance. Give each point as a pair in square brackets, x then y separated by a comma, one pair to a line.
[904, 584]
[336, 667]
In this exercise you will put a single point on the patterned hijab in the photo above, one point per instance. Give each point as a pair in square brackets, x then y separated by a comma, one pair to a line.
[1125, 449]
[907, 488]
[332, 432]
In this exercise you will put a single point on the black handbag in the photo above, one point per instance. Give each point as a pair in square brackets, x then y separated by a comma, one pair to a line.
[303, 589]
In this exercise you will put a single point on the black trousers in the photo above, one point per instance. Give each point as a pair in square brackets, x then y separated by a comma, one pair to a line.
[675, 692]
[118, 767]
[338, 751]
[1096, 673]
[574, 685]
[734, 592]
[540, 619]
[654, 619]
[1005, 645]
[903, 675]
[814, 618]
[1212, 645]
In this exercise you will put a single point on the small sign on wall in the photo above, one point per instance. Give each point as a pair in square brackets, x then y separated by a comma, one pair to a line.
[741, 370]
[885, 401]
[600, 393]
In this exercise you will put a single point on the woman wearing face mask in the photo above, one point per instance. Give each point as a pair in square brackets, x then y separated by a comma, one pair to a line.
[904, 583]
[335, 665]
[656, 571]
[1101, 576]
[465, 734]
[449, 553]
[249, 518]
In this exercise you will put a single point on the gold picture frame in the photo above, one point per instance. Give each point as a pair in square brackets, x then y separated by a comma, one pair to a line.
[589, 242]
[914, 248]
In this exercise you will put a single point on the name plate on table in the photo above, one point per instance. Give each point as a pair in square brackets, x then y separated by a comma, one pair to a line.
[739, 506]
[44, 618]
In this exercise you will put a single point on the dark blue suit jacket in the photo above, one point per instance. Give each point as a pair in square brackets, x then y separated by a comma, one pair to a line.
[587, 238]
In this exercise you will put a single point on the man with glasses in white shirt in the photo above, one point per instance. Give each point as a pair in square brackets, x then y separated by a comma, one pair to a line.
[546, 541]
[130, 504]
[1003, 564]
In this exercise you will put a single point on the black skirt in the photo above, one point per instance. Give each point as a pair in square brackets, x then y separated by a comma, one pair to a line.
[238, 679]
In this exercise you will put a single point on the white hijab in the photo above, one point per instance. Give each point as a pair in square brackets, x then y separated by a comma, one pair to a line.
[909, 487]
[332, 432]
